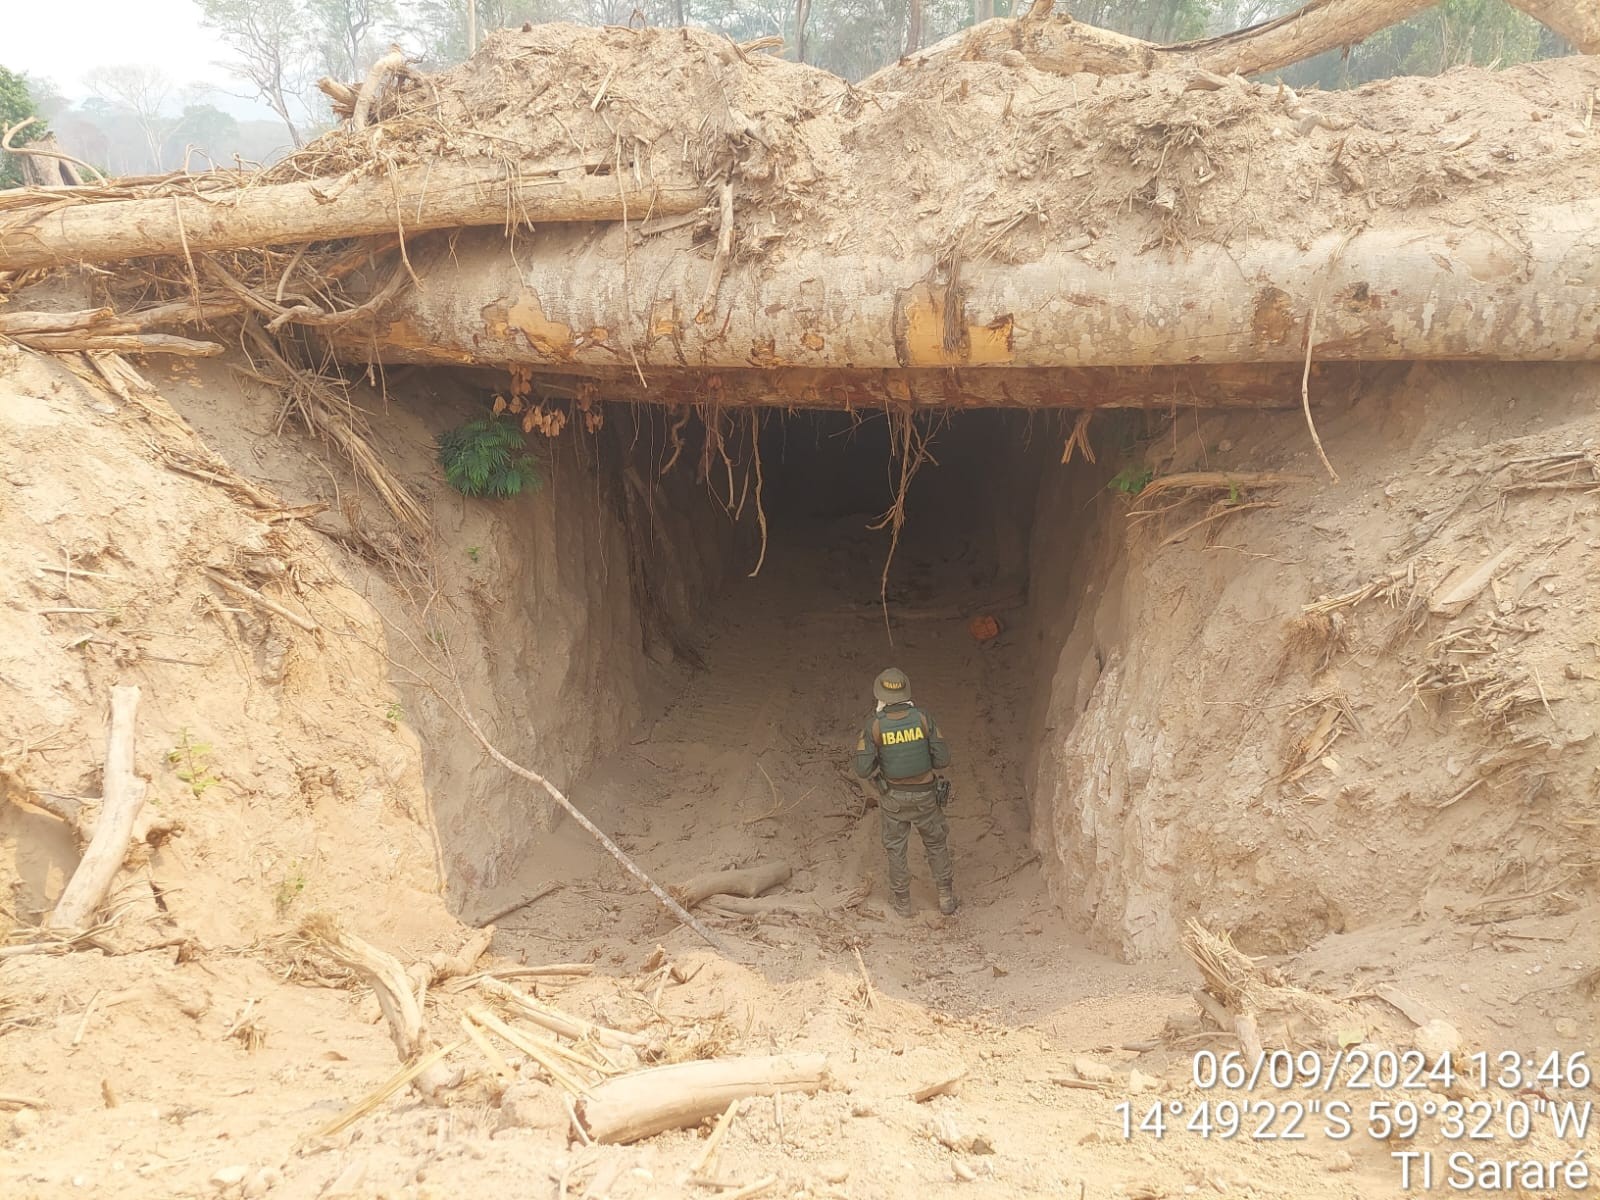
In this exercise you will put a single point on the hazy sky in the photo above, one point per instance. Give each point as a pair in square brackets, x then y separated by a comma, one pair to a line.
[62, 39]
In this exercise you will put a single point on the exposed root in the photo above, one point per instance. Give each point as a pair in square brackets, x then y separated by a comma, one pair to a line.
[909, 446]
[761, 513]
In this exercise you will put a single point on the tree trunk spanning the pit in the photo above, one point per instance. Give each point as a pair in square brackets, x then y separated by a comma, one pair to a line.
[1062, 46]
[1424, 292]
[442, 195]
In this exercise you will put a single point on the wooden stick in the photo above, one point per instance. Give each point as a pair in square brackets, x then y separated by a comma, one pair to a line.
[751, 1189]
[496, 1060]
[121, 343]
[939, 1087]
[672, 906]
[541, 972]
[530, 1047]
[123, 798]
[557, 1021]
[392, 1085]
[505, 912]
[552, 1046]
[708, 1156]
[88, 1011]
[872, 993]
[250, 593]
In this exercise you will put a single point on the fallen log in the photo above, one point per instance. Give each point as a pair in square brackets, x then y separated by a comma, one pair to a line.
[122, 798]
[1053, 42]
[1425, 291]
[653, 1101]
[125, 343]
[435, 195]
[746, 882]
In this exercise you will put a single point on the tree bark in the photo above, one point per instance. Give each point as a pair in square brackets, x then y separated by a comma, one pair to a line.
[1410, 292]
[122, 797]
[1578, 23]
[412, 199]
[649, 1102]
[1066, 47]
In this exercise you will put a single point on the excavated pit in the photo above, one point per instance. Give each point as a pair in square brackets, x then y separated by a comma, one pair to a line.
[725, 722]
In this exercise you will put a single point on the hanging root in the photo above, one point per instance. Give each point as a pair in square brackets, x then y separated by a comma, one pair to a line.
[911, 446]
[1078, 439]
[1305, 397]
[761, 513]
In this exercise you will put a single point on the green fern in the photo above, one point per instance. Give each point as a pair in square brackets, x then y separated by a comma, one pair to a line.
[487, 457]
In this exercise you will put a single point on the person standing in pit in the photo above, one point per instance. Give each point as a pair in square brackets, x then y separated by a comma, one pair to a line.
[900, 749]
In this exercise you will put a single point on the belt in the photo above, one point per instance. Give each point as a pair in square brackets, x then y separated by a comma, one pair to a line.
[912, 785]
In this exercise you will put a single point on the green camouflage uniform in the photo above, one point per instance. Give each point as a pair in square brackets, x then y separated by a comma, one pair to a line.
[903, 745]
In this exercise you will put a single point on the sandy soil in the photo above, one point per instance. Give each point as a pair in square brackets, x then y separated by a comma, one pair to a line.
[206, 1067]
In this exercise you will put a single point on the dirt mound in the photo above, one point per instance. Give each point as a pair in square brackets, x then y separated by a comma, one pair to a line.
[992, 160]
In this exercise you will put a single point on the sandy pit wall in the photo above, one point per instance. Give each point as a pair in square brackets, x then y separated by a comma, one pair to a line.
[559, 646]
[1204, 747]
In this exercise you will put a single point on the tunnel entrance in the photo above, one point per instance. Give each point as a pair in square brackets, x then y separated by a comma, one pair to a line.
[772, 627]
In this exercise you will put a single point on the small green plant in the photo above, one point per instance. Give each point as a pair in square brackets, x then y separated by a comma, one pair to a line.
[394, 714]
[289, 889]
[487, 457]
[473, 552]
[1130, 481]
[192, 760]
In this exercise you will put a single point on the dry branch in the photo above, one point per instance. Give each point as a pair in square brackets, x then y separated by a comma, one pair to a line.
[438, 195]
[645, 1103]
[1056, 43]
[122, 343]
[122, 798]
[594, 831]
[391, 984]
[441, 966]
[392, 63]
[746, 881]
[557, 1021]
[255, 597]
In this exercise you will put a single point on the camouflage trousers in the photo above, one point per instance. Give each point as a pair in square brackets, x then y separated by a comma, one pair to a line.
[899, 811]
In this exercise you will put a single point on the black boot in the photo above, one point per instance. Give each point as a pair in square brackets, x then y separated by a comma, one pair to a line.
[948, 900]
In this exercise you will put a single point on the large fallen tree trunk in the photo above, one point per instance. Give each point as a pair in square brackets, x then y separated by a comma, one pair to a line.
[1410, 292]
[1056, 43]
[437, 195]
